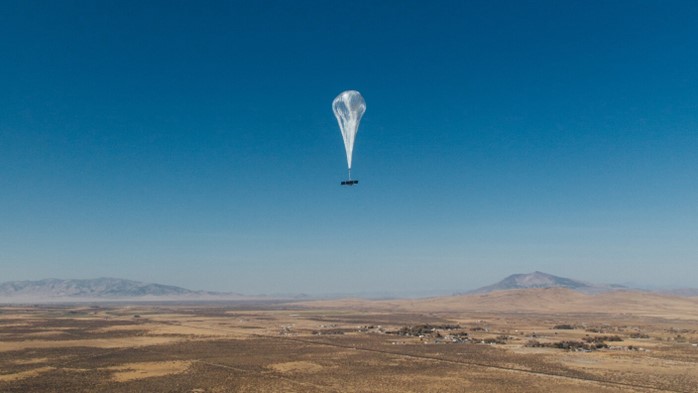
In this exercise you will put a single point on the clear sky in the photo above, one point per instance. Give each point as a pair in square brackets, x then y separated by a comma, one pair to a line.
[192, 143]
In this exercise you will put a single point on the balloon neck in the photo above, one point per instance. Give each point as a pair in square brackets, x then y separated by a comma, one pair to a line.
[349, 173]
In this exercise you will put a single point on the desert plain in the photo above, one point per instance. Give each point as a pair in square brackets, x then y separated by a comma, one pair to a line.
[533, 340]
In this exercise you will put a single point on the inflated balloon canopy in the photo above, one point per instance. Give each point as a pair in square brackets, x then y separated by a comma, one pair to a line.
[349, 107]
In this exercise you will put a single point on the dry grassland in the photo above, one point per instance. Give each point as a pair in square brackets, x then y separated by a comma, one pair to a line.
[514, 341]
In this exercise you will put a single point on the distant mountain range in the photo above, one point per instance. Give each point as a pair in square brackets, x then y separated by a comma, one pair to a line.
[544, 280]
[99, 288]
[115, 289]
[681, 292]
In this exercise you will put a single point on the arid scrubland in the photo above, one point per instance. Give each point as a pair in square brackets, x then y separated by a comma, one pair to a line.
[524, 341]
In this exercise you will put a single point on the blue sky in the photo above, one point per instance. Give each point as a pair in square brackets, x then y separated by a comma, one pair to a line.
[193, 143]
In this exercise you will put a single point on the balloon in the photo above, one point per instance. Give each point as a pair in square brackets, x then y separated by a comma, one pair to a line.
[349, 107]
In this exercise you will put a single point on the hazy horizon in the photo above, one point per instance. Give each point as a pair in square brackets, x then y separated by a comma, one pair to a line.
[194, 144]
[378, 292]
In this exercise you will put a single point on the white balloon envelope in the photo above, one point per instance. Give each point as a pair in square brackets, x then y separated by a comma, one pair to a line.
[349, 107]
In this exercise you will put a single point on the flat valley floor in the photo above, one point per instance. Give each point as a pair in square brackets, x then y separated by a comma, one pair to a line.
[351, 346]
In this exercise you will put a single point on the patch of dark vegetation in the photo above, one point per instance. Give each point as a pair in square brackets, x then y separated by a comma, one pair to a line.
[501, 339]
[75, 334]
[437, 334]
[568, 345]
[48, 323]
[604, 329]
[638, 335]
[327, 332]
[564, 326]
[601, 339]
[422, 330]
[683, 331]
